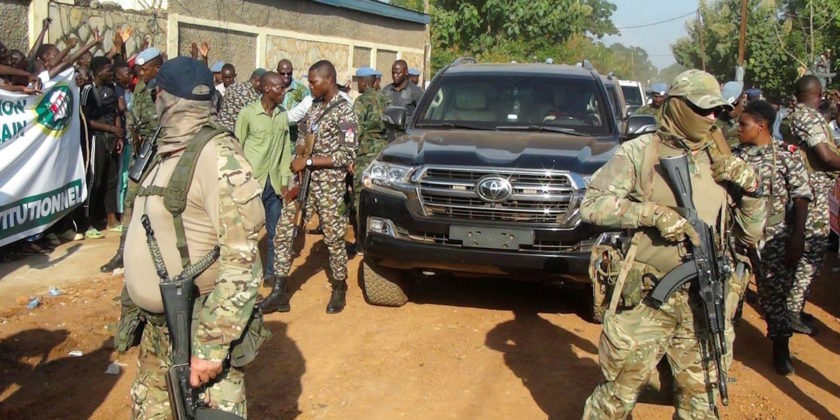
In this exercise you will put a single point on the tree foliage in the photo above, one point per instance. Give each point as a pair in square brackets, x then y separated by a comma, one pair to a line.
[779, 40]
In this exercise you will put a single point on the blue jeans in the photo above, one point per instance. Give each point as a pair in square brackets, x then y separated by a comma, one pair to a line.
[273, 205]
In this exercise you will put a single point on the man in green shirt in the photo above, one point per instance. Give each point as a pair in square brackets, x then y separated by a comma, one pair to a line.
[263, 130]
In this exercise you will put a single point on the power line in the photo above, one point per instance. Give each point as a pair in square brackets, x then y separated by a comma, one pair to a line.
[659, 22]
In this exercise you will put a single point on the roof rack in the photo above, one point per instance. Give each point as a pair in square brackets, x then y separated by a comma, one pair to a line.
[462, 60]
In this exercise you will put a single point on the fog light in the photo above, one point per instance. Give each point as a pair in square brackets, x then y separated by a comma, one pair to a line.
[381, 226]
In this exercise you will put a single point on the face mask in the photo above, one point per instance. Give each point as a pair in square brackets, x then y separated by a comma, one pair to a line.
[680, 120]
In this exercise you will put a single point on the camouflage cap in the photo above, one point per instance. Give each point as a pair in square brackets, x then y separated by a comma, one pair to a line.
[699, 88]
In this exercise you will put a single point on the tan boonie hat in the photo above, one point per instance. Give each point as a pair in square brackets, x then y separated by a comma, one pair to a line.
[699, 88]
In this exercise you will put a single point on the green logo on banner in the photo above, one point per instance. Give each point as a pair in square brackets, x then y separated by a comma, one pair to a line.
[55, 109]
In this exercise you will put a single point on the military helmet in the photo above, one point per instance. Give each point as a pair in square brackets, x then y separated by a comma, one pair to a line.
[699, 88]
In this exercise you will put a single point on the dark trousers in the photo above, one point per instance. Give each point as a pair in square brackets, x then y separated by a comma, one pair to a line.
[106, 167]
[273, 205]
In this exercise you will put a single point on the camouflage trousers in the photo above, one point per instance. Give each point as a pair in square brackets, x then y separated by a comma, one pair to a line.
[326, 199]
[816, 242]
[148, 392]
[634, 341]
[778, 278]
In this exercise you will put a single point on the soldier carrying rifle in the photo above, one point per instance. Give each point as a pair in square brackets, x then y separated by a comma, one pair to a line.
[652, 186]
[197, 195]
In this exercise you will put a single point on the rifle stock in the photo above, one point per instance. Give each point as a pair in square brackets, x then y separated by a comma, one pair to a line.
[144, 157]
[704, 267]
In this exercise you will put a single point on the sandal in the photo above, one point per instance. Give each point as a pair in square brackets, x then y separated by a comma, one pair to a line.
[117, 229]
[31, 248]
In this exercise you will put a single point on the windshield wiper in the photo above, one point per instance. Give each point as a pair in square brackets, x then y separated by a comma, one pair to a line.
[450, 125]
[535, 127]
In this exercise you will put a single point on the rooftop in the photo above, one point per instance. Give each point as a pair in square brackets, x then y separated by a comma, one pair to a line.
[379, 8]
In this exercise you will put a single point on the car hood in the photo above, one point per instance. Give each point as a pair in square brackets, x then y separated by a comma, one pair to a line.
[506, 149]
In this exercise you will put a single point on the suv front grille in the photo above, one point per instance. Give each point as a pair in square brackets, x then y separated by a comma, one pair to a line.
[537, 196]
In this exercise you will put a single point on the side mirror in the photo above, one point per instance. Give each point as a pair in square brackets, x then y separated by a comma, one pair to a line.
[394, 118]
[638, 125]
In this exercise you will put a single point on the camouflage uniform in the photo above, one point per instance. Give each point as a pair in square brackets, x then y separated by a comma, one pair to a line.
[649, 110]
[729, 129]
[237, 96]
[806, 128]
[143, 118]
[369, 108]
[625, 193]
[335, 136]
[784, 179]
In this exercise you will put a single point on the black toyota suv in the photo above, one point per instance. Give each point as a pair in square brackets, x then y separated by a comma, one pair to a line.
[487, 178]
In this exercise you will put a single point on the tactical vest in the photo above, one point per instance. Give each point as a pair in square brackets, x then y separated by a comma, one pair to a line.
[175, 193]
[812, 161]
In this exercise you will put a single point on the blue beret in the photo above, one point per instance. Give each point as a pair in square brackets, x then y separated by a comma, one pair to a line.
[146, 55]
[753, 94]
[378, 73]
[217, 67]
[658, 89]
[365, 72]
[413, 72]
[181, 75]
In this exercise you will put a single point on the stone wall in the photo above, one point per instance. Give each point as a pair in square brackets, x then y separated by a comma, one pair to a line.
[306, 17]
[303, 54]
[79, 22]
[233, 47]
[14, 15]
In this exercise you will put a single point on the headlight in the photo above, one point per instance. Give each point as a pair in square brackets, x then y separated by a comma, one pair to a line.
[386, 175]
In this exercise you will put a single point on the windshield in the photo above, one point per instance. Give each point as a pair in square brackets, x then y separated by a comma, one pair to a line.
[508, 102]
[632, 95]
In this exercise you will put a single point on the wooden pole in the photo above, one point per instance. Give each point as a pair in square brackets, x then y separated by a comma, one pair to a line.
[742, 42]
[702, 37]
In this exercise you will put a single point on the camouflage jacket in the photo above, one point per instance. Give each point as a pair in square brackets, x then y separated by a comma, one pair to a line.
[805, 127]
[334, 136]
[142, 118]
[649, 110]
[616, 195]
[729, 129]
[237, 96]
[783, 176]
[369, 108]
[297, 91]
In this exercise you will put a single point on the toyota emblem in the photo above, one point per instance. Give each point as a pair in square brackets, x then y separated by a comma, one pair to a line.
[493, 188]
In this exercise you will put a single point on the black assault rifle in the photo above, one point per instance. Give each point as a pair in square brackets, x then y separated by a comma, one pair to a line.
[704, 267]
[178, 299]
[144, 157]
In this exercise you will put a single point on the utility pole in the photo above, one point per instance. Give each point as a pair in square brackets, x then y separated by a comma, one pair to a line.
[742, 43]
[702, 37]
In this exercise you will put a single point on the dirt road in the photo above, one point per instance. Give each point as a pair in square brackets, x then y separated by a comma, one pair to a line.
[479, 348]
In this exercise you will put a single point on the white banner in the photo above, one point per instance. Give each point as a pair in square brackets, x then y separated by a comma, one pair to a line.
[42, 176]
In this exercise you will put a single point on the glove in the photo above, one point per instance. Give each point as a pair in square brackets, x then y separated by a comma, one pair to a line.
[736, 171]
[671, 225]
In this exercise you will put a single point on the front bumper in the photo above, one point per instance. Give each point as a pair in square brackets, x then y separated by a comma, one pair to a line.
[413, 241]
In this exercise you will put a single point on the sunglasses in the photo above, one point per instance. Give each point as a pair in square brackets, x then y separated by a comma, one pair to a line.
[702, 111]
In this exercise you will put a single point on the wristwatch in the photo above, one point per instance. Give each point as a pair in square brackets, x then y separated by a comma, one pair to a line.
[308, 162]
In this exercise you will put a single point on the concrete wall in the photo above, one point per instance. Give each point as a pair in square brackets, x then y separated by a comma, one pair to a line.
[306, 17]
[13, 24]
[303, 54]
[79, 22]
[233, 47]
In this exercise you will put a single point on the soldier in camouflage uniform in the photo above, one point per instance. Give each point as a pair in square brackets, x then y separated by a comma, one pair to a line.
[332, 126]
[785, 183]
[223, 209]
[142, 122]
[808, 130]
[630, 192]
[369, 108]
[657, 94]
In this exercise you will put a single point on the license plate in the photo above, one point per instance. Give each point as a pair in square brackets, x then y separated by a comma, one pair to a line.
[492, 238]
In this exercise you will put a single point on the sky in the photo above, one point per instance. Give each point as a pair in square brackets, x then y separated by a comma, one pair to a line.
[657, 39]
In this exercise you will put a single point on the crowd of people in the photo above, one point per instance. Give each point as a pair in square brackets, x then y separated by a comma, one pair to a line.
[118, 114]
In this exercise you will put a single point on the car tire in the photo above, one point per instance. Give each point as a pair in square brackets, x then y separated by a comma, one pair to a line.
[382, 286]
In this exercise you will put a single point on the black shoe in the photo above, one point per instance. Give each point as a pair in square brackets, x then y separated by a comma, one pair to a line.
[353, 250]
[799, 326]
[278, 299]
[338, 298]
[115, 263]
[781, 356]
[316, 231]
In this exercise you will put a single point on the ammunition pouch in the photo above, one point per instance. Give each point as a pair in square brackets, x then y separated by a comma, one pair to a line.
[130, 327]
[604, 265]
[244, 349]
